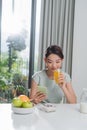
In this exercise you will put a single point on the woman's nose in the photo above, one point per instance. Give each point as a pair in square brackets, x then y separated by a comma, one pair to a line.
[54, 65]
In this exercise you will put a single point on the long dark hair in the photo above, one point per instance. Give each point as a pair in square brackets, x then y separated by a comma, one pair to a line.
[54, 49]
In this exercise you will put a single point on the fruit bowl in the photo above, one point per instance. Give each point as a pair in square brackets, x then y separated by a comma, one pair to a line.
[22, 110]
[22, 105]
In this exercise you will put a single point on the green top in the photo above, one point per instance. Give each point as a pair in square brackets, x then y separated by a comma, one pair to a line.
[54, 92]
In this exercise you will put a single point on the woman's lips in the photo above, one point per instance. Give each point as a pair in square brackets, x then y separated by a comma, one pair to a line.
[54, 69]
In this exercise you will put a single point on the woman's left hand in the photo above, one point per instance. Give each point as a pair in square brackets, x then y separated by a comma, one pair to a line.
[61, 80]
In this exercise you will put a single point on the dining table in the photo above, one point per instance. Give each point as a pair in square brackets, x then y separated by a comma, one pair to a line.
[65, 117]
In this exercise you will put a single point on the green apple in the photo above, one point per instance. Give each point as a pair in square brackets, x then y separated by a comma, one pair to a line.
[42, 89]
[27, 104]
[17, 102]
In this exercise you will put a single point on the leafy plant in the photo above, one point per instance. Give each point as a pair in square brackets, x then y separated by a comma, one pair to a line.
[21, 90]
[17, 79]
[5, 92]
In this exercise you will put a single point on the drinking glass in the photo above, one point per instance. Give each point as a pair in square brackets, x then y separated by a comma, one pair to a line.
[56, 75]
[83, 101]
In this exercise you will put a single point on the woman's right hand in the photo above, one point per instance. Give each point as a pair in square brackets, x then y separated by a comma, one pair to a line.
[38, 97]
[61, 80]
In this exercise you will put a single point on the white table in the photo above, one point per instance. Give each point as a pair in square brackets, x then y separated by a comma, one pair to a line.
[66, 117]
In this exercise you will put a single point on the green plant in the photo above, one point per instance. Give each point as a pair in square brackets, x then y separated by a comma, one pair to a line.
[5, 92]
[4, 68]
[17, 79]
[2, 83]
[21, 90]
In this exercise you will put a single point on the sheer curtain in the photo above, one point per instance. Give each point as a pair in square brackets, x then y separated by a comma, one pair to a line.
[56, 27]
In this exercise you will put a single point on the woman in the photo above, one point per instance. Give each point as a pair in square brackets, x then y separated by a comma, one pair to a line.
[56, 92]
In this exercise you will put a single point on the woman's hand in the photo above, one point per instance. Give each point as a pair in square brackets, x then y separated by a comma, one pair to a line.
[61, 80]
[38, 97]
[67, 89]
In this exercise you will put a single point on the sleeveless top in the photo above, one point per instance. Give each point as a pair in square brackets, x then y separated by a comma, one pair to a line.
[54, 92]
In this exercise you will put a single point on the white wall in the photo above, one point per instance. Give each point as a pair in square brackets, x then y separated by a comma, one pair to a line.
[79, 68]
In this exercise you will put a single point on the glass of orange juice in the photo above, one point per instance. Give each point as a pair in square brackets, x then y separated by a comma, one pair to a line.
[56, 75]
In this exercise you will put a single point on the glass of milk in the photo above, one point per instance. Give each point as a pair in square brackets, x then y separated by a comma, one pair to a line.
[83, 101]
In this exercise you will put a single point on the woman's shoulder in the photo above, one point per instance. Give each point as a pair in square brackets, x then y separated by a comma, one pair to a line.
[65, 73]
[67, 76]
[39, 73]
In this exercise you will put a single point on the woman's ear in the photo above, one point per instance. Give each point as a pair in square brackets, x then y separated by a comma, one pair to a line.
[62, 60]
[45, 59]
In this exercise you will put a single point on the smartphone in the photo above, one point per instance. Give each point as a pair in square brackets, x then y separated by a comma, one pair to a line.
[42, 89]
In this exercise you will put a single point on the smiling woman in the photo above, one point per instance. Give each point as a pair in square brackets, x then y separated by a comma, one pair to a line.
[56, 90]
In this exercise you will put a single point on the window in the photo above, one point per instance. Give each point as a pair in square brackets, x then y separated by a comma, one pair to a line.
[37, 35]
[15, 45]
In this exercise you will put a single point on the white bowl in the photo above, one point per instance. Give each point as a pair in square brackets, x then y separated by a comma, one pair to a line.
[22, 110]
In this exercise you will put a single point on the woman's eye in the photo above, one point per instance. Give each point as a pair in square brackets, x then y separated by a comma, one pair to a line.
[49, 62]
[58, 62]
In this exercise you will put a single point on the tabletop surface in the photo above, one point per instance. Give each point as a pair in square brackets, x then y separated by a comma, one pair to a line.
[66, 117]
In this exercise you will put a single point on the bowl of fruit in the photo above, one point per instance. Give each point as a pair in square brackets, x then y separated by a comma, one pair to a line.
[22, 105]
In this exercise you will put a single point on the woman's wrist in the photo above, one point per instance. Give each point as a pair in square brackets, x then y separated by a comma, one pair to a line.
[63, 85]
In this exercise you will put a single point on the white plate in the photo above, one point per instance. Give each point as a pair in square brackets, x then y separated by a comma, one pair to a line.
[22, 110]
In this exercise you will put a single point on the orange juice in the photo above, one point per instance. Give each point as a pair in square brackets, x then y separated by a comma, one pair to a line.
[56, 75]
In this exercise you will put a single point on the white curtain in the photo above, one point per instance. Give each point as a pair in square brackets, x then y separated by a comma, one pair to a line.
[56, 27]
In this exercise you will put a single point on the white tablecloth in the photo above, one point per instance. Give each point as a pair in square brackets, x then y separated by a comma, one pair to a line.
[66, 117]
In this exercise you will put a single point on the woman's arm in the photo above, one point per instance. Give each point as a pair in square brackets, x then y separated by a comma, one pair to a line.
[36, 96]
[69, 93]
[67, 89]
[33, 89]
